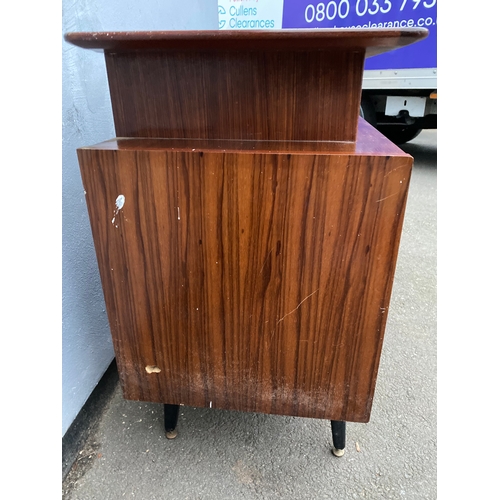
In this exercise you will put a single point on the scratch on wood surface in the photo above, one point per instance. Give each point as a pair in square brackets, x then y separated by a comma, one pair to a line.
[397, 168]
[264, 265]
[390, 196]
[300, 303]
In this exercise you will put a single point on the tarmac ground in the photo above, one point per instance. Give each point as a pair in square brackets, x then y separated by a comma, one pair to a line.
[232, 455]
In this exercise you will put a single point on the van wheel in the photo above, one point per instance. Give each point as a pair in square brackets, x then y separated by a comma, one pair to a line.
[399, 134]
[367, 111]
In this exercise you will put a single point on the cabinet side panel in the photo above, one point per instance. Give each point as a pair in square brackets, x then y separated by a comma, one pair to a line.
[254, 282]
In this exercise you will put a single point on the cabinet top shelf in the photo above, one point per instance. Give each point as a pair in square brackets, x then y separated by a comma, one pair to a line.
[372, 41]
[267, 85]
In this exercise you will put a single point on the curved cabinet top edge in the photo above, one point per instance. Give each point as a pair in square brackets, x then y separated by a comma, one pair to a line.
[373, 41]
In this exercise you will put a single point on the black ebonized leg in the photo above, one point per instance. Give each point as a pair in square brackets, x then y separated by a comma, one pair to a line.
[338, 434]
[171, 413]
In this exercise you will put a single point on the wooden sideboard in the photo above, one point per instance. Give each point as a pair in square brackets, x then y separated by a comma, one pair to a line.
[246, 220]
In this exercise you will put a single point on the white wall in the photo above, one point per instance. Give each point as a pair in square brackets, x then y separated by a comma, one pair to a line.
[87, 119]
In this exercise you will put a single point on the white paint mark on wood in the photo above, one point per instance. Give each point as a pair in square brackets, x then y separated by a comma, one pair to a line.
[120, 201]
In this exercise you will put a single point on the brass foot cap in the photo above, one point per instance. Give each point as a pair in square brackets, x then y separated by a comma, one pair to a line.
[171, 434]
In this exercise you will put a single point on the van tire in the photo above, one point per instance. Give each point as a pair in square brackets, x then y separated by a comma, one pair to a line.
[399, 134]
[367, 111]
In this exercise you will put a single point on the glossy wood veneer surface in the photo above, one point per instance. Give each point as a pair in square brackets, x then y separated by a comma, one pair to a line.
[252, 281]
[373, 41]
[283, 85]
[276, 96]
[371, 142]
